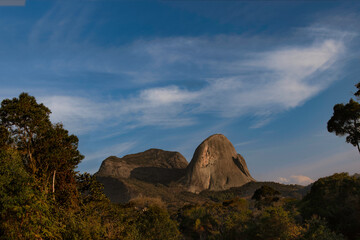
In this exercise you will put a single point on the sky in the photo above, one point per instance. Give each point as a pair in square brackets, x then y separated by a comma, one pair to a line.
[126, 76]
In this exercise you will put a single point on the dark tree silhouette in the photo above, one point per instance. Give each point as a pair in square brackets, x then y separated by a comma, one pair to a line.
[346, 120]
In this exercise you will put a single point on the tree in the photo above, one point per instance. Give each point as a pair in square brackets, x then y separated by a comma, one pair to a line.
[25, 120]
[276, 223]
[90, 189]
[48, 152]
[335, 198]
[25, 212]
[317, 229]
[265, 196]
[155, 223]
[4, 137]
[346, 120]
[57, 156]
[357, 94]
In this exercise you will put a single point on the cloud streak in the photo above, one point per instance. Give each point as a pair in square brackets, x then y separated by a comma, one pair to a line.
[175, 81]
[262, 85]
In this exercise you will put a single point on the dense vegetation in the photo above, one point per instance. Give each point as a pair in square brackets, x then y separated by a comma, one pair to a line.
[43, 197]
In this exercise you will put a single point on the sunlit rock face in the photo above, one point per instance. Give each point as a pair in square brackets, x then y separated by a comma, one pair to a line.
[216, 166]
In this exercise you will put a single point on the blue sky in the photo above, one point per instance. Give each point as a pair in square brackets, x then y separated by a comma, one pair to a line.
[125, 76]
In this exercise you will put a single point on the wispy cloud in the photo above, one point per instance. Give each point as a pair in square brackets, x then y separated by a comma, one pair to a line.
[174, 81]
[78, 114]
[281, 79]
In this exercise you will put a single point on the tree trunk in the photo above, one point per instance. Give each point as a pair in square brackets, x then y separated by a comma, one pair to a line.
[53, 182]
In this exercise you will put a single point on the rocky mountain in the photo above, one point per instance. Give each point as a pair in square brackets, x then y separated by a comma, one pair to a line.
[216, 166]
[153, 165]
[133, 175]
[158, 173]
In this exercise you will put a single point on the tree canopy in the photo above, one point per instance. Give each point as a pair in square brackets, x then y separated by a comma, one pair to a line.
[49, 153]
[346, 121]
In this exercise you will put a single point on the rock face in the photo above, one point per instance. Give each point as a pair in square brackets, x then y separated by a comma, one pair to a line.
[216, 166]
[133, 175]
[153, 165]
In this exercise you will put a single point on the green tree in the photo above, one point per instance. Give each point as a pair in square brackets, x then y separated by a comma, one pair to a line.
[316, 229]
[265, 196]
[346, 121]
[57, 157]
[47, 150]
[90, 189]
[25, 212]
[155, 223]
[276, 223]
[337, 199]
[25, 120]
[4, 137]
[227, 220]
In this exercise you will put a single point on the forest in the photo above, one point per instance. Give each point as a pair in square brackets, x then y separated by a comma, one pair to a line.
[42, 196]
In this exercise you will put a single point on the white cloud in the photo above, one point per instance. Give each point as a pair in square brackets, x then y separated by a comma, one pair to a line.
[282, 79]
[286, 83]
[166, 96]
[295, 179]
[302, 180]
[78, 114]
[235, 76]
[282, 180]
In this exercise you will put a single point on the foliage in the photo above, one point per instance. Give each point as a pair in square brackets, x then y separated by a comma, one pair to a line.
[155, 223]
[346, 120]
[4, 137]
[265, 196]
[57, 156]
[25, 212]
[317, 229]
[228, 220]
[276, 223]
[48, 152]
[25, 120]
[337, 199]
[90, 189]
[145, 202]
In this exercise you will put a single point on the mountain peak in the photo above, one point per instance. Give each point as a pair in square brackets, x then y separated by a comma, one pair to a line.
[216, 166]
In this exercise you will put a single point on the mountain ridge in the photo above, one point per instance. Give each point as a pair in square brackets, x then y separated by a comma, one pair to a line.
[215, 166]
